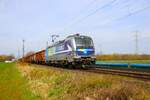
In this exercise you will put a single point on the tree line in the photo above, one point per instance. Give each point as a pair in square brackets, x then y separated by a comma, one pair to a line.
[6, 58]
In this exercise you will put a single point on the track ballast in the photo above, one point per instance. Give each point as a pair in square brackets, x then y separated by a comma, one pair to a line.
[134, 73]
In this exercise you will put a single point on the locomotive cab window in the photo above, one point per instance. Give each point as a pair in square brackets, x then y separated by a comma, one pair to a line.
[83, 42]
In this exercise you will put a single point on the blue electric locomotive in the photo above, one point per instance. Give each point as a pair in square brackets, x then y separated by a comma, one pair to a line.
[74, 50]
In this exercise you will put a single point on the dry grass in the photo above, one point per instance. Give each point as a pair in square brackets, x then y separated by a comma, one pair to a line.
[56, 84]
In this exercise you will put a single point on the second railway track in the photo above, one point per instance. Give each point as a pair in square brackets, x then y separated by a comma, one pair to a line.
[145, 75]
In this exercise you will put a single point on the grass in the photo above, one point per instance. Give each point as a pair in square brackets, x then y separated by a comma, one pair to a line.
[12, 85]
[128, 61]
[62, 84]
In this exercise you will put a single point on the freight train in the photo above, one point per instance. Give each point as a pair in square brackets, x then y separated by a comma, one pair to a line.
[75, 51]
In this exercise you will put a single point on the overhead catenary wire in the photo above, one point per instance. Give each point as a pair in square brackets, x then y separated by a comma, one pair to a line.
[81, 12]
[84, 9]
[126, 16]
[115, 19]
[130, 14]
[95, 11]
[133, 13]
[92, 13]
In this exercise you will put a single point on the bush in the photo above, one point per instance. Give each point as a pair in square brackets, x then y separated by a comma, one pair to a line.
[6, 57]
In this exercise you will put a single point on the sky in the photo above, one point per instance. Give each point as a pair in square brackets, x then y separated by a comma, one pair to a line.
[111, 23]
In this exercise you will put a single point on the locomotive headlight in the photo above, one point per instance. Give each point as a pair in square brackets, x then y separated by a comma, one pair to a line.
[85, 51]
[80, 49]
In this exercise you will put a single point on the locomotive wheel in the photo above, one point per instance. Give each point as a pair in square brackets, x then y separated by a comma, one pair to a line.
[84, 66]
[70, 66]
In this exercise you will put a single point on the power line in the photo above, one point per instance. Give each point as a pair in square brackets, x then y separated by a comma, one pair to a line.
[108, 4]
[81, 11]
[129, 14]
[85, 8]
[133, 13]
[94, 12]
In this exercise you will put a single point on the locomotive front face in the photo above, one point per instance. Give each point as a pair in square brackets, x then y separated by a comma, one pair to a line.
[84, 46]
[84, 49]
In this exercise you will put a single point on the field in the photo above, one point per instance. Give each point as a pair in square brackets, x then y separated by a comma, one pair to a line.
[12, 85]
[51, 83]
[21, 81]
[124, 57]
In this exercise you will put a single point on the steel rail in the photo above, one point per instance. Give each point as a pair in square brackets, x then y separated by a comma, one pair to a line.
[121, 72]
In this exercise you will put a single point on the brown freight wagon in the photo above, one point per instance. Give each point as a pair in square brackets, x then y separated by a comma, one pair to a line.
[29, 58]
[40, 57]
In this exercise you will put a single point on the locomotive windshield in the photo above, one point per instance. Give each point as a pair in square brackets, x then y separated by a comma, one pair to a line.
[83, 42]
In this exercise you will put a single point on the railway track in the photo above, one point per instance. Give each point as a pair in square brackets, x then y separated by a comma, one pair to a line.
[134, 73]
[143, 74]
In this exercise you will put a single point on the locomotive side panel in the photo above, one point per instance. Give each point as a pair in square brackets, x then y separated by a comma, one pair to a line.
[60, 52]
